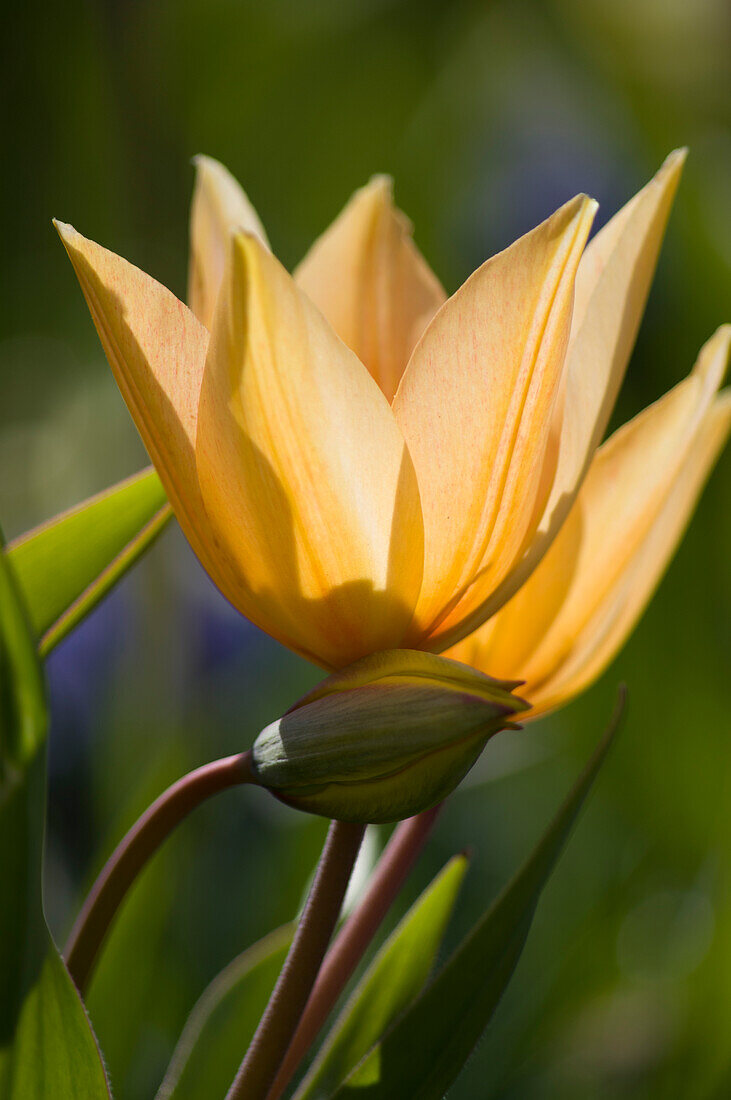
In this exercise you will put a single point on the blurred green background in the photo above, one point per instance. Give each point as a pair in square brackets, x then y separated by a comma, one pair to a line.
[488, 115]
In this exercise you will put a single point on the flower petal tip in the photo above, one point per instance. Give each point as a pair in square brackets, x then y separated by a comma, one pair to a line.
[582, 203]
[589, 206]
[202, 162]
[70, 237]
[581, 210]
[377, 198]
[723, 335]
[381, 183]
[676, 159]
[668, 174]
[63, 229]
[713, 360]
[211, 171]
[247, 246]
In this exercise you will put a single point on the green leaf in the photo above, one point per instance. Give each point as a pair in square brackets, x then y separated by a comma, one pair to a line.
[23, 718]
[224, 1020]
[65, 566]
[47, 1047]
[57, 574]
[422, 1055]
[23, 723]
[390, 984]
[23, 934]
[55, 1053]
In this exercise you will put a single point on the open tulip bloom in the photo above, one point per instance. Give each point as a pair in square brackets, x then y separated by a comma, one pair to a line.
[412, 492]
[363, 464]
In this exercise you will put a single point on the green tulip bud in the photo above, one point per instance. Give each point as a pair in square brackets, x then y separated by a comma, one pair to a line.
[389, 736]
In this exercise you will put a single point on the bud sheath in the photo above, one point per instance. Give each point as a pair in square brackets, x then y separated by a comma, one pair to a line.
[384, 739]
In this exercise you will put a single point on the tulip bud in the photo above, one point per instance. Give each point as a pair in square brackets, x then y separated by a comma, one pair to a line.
[389, 736]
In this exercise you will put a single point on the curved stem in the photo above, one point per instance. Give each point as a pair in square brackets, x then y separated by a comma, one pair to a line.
[319, 917]
[133, 852]
[354, 939]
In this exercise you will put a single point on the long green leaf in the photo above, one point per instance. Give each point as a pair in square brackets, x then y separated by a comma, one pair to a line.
[224, 1020]
[23, 723]
[23, 935]
[422, 1055]
[47, 1048]
[55, 1053]
[65, 566]
[390, 984]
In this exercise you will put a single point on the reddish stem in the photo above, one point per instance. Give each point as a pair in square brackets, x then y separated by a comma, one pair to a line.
[133, 852]
[316, 925]
[354, 939]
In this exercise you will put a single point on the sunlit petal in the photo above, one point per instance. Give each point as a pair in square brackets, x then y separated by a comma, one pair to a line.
[219, 206]
[372, 283]
[156, 349]
[622, 610]
[568, 621]
[475, 407]
[612, 284]
[304, 471]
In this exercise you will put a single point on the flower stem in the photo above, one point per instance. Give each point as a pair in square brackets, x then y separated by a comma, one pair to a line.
[316, 925]
[133, 852]
[354, 939]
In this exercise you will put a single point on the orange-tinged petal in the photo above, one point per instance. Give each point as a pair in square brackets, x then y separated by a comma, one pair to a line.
[612, 284]
[475, 406]
[156, 349]
[219, 206]
[621, 611]
[578, 607]
[372, 283]
[305, 474]
[509, 638]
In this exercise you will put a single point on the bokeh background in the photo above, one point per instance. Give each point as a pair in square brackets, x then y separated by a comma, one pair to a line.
[488, 115]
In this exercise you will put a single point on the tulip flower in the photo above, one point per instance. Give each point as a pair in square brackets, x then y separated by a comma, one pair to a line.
[364, 464]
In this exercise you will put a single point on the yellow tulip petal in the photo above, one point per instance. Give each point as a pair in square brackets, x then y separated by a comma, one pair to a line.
[510, 637]
[156, 349]
[577, 608]
[626, 488]
[305, 474]
[371, 282]
[219, 206]
[612, 284]
[610, 629]
[475, 407]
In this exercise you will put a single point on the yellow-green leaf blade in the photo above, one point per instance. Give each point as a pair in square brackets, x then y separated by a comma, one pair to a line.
[393, 979]
[65, 566]
[55, 1053]
[23, 724]
[47, 1047]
